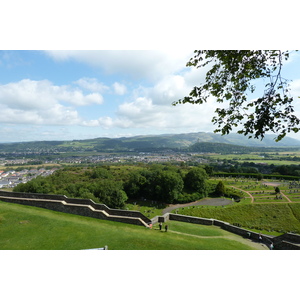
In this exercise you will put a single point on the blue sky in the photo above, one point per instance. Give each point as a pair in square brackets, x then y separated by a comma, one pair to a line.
[65, 95]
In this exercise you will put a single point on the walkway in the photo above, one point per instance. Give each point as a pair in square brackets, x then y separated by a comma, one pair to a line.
[211, 201]
[252, 199]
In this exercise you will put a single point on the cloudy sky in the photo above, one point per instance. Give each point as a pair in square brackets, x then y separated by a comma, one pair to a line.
[65, 95]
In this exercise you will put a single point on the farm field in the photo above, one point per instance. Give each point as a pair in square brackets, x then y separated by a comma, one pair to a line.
[282, 158]
[31, 228]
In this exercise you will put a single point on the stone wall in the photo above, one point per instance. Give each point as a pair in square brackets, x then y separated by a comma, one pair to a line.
[88, 208]
[189, 219]
[287, 241]
[287, 246]
[291, 237]
[83, 207]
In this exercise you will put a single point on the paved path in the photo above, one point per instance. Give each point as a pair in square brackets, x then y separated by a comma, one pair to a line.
[212, 201]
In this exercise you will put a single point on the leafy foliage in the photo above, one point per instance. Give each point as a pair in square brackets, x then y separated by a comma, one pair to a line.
[162, 185]
[165, 184]
[220, 189]
[111, 193]
[231, 77]
[195, 181]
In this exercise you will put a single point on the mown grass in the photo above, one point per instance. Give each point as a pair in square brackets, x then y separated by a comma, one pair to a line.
[195, 229]
[31, 228]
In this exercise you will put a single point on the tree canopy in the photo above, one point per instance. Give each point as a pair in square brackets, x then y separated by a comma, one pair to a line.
[231, 78]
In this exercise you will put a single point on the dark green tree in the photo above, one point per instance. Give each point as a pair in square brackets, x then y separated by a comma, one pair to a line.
[231, 77]
[220, 189]
[135, 185]
[111, 193]
[156, 183]
[169, 186]
[195, 181]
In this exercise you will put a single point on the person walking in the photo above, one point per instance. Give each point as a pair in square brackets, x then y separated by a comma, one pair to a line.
[160, 226]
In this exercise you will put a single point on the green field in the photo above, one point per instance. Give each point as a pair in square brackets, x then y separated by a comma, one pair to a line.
[31, 228]
[282, 158]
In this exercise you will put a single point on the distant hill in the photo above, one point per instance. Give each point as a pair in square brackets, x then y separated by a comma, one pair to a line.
[185, 141]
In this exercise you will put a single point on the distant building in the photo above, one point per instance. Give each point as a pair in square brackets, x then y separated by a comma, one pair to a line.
[4, 183]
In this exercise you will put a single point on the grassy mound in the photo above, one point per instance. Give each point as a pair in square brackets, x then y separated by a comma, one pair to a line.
[24, 227]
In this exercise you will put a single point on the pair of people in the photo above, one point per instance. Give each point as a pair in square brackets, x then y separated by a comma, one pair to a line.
[160, 226]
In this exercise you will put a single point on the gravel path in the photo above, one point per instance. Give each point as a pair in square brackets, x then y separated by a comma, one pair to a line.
[212, 201]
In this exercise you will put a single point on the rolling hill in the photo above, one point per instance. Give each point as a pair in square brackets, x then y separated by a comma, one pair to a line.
[151, 143]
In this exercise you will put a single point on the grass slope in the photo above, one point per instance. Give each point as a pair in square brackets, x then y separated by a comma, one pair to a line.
[272, 217]
[31, 228]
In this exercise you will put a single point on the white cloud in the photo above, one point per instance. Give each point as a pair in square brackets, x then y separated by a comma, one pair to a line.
[295, 88]
[41, 102]
[119, 88]
[169, 89]
[144, 113]
[138, 64]
[295, 91]
[151, 107]
[91, 84]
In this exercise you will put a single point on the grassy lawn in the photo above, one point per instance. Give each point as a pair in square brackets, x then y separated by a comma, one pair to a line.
[31, 228]
[195, 229]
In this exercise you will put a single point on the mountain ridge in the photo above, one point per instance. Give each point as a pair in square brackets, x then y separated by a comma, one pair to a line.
[181, 141]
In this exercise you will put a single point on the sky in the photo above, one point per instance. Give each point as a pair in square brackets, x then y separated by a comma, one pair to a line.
[112, 70]
[82, 94]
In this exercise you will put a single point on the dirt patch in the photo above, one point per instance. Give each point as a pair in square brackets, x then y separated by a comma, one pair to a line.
[24, 222]
[272, 183]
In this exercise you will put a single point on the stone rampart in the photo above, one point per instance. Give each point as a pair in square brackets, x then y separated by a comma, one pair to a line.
[287, 246]
[189, 219]
[291, 237]
[88, 208]
[83, 207]
[287, 242]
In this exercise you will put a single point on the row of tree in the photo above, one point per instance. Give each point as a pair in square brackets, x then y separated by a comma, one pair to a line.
[233, 166]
